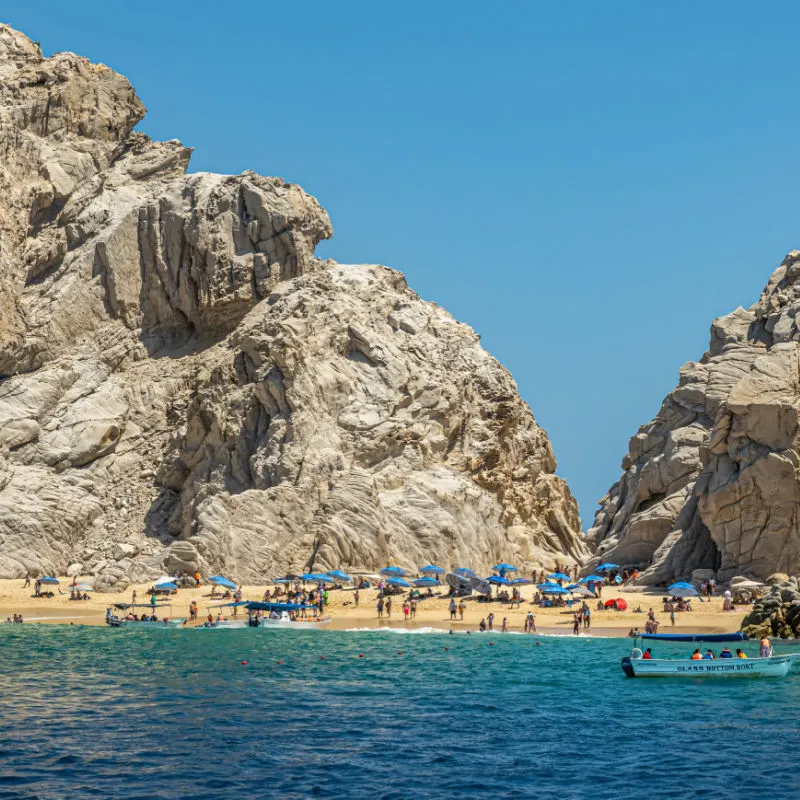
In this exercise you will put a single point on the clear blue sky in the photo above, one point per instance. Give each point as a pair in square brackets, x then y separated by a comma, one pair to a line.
[587, 184]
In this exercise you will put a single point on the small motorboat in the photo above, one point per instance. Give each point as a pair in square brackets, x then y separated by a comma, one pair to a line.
[635, 666]
[282, 619]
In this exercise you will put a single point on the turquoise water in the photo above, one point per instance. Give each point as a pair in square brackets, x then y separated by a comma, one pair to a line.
[92, 712]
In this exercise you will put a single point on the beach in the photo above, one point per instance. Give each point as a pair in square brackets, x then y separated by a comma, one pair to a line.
[706, 617]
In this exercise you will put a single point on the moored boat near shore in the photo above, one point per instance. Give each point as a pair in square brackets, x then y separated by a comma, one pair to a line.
[634, 666]
[737, 636]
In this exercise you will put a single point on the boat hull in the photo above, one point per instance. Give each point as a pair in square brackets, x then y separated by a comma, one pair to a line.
[280, 624]
[772, 667]
[695, 637]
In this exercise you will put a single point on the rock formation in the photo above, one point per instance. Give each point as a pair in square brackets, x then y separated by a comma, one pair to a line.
[712, 482]
[777, 612]
[183, 385]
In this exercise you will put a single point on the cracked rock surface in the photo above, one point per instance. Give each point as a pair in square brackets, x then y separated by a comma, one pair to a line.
[184, 385]
[712, 481]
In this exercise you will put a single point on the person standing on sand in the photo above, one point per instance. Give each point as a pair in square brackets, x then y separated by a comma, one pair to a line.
[505, 625]
[576, 625]
[355, 597]
[389, 607]
[531, 622]
[406, 611]
[462, 607]
[672, 618]
[413, 605]
[380, 608]
[453, 609]
[490, 620]
[27, 580]
[133, 598]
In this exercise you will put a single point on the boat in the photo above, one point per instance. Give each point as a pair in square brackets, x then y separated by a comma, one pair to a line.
[283, 615]
[118, 621]
[635, 666]
[738, 636]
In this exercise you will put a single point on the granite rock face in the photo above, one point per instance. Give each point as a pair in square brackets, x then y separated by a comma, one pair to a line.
[712, 482]
[184, 385]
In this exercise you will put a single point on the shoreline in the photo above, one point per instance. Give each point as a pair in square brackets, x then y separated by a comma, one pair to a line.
[431, 612]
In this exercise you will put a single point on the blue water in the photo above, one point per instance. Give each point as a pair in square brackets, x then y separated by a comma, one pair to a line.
[97, 713]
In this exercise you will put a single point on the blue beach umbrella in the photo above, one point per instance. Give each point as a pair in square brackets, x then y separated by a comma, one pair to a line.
[166, 587]
[318, 577]
[555, 590]
[425, 582]
[48, 581]
[681, 585]
[466, 573]
[520, 581]
[592, 579]
[573, 586]
[606, 567]
[558, 576]
[548, 586]
[222, 581]
[339, 575]
[498, 580]
[504, 568]
[432, 569]
[399, 582]
[281, 580]
[394, 571]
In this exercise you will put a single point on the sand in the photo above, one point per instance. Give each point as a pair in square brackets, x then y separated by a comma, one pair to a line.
[706, 618]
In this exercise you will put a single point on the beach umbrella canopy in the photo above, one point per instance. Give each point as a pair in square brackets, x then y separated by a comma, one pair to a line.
[339, 575]
[576, 588]
[548, 586]
[592, 579]
[425, 582]
[393, 571]
[680, 585]
[520, 581]
[49, 581]
[398, 582]
[281, 580]
[504, 568]
[83, 587]
[168, 586]
[558, 576]
[432, 569]
[683, 592]
[605, 567]
[222, 581]
[465, 573]
[499, 581]
[553, 590]
[317, 577]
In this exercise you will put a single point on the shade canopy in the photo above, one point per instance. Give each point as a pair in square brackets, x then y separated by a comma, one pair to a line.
[605, 567]
[465, 573]
[395, 572]
[592, 579]
[338, 574]
[558, 576]
[504, 567]
[520, 581]
[166, 587]
[680, 585]
[425, 582]
[683, 592]
[553, 590]
[220, 580]
[317, 577]
[49, 581]
[497, 580]
[432, 569]
[548, 586]
[82, 587]
[398, 582]
[258, 606]
[620, 604]
[281, 580]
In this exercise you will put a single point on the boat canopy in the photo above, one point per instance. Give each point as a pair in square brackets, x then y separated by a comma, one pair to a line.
[126, 606]
[258, 606]
[737, 636]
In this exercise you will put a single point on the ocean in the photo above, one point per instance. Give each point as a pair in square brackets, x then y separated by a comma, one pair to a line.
[91, 712]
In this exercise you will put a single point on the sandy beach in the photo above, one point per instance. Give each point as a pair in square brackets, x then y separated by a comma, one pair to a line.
[706, 617]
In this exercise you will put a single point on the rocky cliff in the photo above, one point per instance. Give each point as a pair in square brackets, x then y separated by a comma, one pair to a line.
[712, 482]
[183, 385]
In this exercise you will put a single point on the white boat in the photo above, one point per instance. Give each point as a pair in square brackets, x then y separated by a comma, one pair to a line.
[226, 623]
[280, 620]
[634, 666]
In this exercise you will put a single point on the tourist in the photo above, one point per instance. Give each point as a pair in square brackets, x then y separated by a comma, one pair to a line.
[380, 608]
[406, 611]
[413, 607]
[696, 655]
[765, 648]
[741, 653]
[490, 621]
[197, 579]
[531, 622]
[462, 607]
[355, 597]
[27, 580]
[389, 607]
[576, 624]
[709, 654]
[648, 654]
[505, 625]
[726, 653]
[672, 617]
[453, 609]
[37, 588]
[482, 626]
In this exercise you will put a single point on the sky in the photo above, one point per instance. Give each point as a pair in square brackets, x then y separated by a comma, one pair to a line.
[588, 185]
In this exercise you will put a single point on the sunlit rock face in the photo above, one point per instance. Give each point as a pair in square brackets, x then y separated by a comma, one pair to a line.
[184, 385]
[712, 482]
